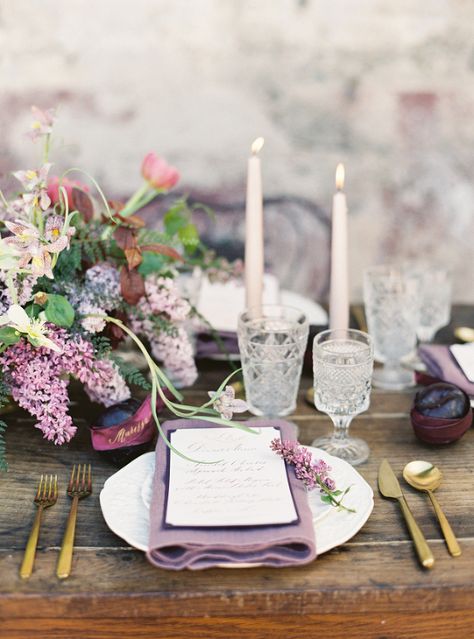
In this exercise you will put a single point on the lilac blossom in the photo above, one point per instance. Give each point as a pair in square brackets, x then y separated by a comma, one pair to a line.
[37, 381]
[173, 348]
[312, 474]
[99, 295]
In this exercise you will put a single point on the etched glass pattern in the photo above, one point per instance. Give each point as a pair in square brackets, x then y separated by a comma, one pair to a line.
[272, 343]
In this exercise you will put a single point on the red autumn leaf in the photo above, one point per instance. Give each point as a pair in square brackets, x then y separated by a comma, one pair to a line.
[132, 285]
[126, 238]
[134, 221]
[162, 249]
[115, 205]
[134, 257]
[82, 202]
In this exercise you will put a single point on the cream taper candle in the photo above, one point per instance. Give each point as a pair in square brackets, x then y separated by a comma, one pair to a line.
[254, 257]
[339, 293]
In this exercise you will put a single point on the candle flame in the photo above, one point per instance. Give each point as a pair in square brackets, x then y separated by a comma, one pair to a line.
[340, 177]
[257, 145]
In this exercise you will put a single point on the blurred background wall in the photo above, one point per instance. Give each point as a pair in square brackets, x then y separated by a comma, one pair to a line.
[385, 87]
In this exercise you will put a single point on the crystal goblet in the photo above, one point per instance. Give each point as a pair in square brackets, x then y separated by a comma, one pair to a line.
[272, 342]
[392, 307]
[342, 366]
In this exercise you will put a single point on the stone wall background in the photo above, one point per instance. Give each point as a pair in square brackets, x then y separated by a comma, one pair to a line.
[385, 87]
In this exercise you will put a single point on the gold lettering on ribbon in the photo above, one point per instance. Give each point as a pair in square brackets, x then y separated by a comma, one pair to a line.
[125, 433]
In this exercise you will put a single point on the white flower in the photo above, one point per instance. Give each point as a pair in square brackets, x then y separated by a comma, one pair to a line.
[226, 404]
[34, 329]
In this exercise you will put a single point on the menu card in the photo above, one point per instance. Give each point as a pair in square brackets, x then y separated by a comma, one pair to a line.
[248, 486]
[464, 354]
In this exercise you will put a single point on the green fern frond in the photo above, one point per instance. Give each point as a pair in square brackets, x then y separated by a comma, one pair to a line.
[102, 345]
[130, 373]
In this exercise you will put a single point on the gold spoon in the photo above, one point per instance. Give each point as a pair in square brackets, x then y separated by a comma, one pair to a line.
[464, 333]
[424, 476]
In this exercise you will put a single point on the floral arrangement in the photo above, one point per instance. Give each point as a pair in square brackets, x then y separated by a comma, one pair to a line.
[78, 274]
[314, 474]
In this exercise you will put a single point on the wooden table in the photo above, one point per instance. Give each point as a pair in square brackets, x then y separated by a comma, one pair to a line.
[371, 586]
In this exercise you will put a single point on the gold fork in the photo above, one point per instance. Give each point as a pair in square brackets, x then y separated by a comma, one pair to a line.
[46, 496]
[80, 486]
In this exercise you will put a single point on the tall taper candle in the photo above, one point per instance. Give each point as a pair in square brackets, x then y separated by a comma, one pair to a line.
[339, 295]
[254, 229]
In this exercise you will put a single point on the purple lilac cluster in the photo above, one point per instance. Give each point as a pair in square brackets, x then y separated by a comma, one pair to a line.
[24, 289]
[173, 348]
[99, 295]
[312, 474]
[36, 377]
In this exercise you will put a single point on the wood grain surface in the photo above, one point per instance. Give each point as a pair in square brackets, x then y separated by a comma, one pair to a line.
[371, 586]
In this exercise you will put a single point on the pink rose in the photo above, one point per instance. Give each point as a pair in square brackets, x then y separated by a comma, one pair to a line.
[158, 173]
[53, 189]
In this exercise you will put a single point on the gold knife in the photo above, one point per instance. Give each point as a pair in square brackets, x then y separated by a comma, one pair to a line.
[390, 488]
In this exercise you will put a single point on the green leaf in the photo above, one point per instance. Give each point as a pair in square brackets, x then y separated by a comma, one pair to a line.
[59, 311]
[176, 218]
[189, 237]
[9, 335]
[151, 263]
[326, 499]
[33, 310]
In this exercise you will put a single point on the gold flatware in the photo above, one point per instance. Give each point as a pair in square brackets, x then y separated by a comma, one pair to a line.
[80, 486]
[46, 496]
[424, 476]
[464, 333]
[390, 488]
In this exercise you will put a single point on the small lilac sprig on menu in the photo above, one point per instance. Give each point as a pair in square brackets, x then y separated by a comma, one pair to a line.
[312, 473]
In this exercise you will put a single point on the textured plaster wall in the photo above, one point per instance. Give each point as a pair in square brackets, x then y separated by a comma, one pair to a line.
[387, 87]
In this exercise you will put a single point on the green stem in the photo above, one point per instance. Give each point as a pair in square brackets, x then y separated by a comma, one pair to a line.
[11, 288]
[128, 209]
[156, 375]
[47, 142]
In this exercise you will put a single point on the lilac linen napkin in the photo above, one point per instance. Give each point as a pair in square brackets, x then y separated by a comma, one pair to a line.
[442, 365]
[206, 345]
[176, 548]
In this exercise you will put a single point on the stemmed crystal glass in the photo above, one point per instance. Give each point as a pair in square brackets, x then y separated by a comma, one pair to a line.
[342, 365]
[435, 295]
[392, 308]
[272, 342]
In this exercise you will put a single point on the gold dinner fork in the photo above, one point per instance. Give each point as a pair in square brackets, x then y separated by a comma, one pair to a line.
[80, 486]
[46, 496]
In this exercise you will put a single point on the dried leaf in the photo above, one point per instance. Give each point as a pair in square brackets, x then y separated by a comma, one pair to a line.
[134, 257]
[132, 285]
[162, 249]
[82, 202]
[135, 221]
[125, 237]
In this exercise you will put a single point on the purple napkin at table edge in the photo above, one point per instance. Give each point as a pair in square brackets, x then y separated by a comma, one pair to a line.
[206, 345]
[177, 548]
[441, 363]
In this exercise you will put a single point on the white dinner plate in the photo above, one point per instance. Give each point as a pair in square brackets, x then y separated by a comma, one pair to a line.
[125, 502]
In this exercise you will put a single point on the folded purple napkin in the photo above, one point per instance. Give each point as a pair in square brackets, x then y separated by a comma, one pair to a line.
[206, 345]
[441, 364]
[194, 548]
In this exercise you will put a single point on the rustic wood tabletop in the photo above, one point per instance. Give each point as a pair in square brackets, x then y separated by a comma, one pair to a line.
[372, 586]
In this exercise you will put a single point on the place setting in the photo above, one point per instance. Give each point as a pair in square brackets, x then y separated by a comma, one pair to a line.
[205, 486]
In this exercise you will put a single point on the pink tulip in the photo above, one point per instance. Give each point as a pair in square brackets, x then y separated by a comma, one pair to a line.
[158, 173]
[53, 188]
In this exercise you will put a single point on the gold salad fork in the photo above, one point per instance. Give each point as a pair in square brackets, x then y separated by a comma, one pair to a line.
[80, 486]
[46, 496]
